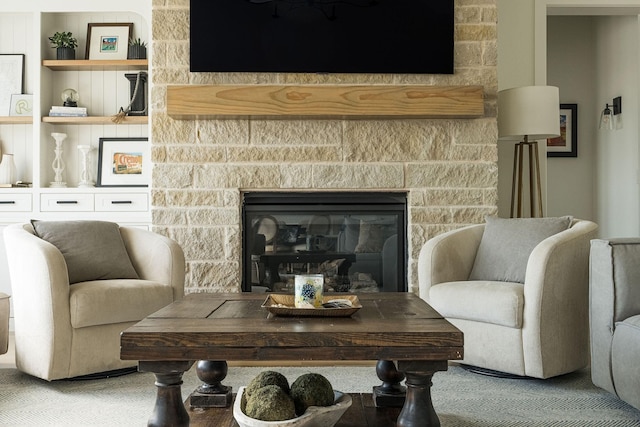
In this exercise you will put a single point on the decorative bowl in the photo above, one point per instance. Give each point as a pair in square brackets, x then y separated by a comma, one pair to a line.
[314, 416]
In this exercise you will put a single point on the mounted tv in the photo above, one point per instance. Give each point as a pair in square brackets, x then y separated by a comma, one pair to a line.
[322, 36]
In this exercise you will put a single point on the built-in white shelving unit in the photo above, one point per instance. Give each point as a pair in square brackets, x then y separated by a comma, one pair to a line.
[103, 89]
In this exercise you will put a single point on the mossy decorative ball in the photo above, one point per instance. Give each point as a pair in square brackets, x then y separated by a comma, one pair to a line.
[270, 403]
[311, 390]
[267, 378]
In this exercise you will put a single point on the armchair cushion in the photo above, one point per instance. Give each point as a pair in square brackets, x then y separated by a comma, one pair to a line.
[506, 244]
[93, 303]
[92, 250]
[498, 303]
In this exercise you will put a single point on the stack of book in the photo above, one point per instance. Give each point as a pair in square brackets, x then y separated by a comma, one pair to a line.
[58, 111]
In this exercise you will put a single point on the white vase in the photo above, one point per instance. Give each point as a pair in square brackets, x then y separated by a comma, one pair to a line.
[58, 163]
[7, 170]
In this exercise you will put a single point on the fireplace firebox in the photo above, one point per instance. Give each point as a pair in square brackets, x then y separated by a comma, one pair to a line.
[357, 240]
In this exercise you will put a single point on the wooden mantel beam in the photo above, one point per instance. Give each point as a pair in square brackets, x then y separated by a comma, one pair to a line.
[187, 102]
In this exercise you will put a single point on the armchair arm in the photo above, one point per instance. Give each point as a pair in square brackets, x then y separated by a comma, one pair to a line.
[448, 257]
[555, 320]
[156, 257]
[40, 291]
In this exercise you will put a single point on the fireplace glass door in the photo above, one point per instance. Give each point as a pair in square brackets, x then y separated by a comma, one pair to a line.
[356, 240]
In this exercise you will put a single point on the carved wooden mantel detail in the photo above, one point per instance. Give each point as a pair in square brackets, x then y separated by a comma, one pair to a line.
[188, 102]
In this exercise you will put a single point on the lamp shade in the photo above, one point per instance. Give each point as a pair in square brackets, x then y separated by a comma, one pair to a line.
[533, 111]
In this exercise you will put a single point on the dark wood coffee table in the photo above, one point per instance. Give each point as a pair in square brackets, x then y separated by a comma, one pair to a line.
[219, 327]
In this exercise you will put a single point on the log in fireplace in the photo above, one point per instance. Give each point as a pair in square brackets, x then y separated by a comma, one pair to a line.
[357, 240]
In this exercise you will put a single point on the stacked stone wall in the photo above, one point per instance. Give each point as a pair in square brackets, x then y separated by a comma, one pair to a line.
[201, 167]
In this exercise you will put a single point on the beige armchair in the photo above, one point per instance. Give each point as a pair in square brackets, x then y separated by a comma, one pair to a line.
[64, 329]
[537, 327]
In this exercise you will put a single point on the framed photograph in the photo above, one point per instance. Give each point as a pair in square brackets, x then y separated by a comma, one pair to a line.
[566, 145]
[124, 162]
[21, 105]
[11, 79]
[108, 40]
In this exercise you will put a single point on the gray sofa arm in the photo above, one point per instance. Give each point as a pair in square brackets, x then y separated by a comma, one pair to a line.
[614, 295]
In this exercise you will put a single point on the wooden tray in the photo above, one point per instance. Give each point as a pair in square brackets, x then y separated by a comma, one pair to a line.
[284, 305]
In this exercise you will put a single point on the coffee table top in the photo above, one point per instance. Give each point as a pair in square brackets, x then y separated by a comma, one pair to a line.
[390, 326]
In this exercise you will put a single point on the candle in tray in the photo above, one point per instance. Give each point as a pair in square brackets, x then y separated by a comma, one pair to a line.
[308, 291]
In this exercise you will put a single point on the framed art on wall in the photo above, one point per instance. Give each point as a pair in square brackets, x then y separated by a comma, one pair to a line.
[11, 79]
[124, 162]
[108, 40]
[565, 145]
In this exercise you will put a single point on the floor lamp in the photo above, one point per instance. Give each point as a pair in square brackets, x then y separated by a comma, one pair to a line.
[527, 114]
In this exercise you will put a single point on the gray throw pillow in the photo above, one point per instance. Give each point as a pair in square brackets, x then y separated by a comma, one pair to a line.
[507, 243]
[93, 250]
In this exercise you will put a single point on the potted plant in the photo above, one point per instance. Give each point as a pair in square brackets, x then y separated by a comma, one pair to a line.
[137, 49]
[65, 45]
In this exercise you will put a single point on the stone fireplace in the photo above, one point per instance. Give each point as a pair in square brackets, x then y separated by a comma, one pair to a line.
[446, 166]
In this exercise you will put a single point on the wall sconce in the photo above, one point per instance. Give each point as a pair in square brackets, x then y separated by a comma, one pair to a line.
[611, 116]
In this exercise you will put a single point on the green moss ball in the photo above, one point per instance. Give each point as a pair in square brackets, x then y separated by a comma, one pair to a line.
[311, 390]
[265, 378]
[270, 403]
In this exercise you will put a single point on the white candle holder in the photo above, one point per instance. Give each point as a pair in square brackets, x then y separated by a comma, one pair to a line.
[85, 182]
[58, 163]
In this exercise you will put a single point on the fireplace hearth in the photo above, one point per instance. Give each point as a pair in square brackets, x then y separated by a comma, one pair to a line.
[357, 240]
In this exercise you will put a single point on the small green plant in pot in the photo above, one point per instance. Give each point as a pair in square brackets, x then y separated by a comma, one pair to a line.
[137, 49]
[65, 45]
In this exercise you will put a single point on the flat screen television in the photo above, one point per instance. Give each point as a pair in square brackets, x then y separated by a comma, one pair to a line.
[322, 36]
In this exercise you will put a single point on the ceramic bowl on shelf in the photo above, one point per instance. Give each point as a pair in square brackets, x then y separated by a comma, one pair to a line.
[314, 416]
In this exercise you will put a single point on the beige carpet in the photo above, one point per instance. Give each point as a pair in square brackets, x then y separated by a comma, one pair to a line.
[461, 398]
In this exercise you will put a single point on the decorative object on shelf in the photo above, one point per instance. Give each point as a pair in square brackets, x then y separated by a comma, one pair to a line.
[137, 49]
[21, 105]
[58, 111]
[7, 170]
[124, 162]
[65, 45]
[527, 114]
[58, 163]
[11, 78]
[108, 40]
[85, 182]
[565, 145]
[138, 103]
[70, 97]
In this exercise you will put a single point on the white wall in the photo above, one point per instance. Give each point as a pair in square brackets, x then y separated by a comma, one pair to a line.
[515, 68]
[617, 70]
[571, 63]
[522, 60]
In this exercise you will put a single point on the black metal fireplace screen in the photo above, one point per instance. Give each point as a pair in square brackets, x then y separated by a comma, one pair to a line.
[357, 240]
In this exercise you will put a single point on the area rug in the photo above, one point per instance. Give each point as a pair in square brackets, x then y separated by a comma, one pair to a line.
[461, 398]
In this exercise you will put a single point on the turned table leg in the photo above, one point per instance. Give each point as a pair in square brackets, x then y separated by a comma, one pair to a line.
[169, 408]
[418, 408]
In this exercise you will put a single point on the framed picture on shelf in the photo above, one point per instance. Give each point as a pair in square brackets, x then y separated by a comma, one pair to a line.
[108, 40]
[11, 78]
[565, 145]
[21, 105]
[124, 162]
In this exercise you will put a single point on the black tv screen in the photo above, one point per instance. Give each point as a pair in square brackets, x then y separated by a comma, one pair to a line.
[322, 36]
